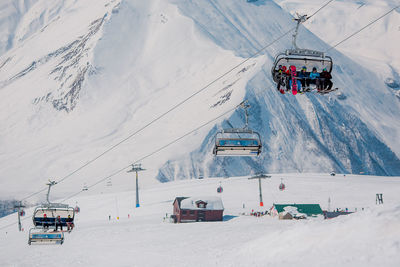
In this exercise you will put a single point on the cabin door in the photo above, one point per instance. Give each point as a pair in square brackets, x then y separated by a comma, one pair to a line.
[201, 215]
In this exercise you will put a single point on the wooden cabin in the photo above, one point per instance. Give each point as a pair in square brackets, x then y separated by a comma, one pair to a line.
[194, 209]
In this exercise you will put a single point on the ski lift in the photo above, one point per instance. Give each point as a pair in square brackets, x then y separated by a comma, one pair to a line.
[45, 237]
[282, 185]
[220, 189]
[299, 58]
[51, 215]
[238, 141]
[85, 187]
[77, 209]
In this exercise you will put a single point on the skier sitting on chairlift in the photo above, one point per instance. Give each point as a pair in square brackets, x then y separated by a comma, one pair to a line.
[282, 78]
[314, 78]
[303, 78]
[326, 80]
[58, 223]
[70, 224]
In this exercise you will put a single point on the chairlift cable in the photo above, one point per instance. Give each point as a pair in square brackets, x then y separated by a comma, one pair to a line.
[320, 9]
[165, 113]
[366, 26]
[172, 109]
[157, 150]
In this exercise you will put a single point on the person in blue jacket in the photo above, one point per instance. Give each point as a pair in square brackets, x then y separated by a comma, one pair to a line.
[314, 77]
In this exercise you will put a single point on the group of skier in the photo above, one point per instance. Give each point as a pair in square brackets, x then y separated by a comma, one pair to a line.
[304, 79]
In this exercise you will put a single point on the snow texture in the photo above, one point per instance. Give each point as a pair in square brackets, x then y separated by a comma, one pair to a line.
[368, 237]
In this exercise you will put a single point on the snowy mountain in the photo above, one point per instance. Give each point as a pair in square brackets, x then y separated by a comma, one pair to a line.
[305, 133]
[78, 77]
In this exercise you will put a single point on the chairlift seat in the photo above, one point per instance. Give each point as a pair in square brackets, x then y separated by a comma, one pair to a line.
[299, 58]
[36, 236]
[52, 212]
[245, 143]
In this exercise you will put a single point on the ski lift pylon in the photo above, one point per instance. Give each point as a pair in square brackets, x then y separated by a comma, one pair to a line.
[238, 141]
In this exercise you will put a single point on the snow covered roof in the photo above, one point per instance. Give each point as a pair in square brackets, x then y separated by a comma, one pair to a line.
[213, 203]
[308, 209]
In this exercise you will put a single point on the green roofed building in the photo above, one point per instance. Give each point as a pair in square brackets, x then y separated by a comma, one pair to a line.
[309, 210]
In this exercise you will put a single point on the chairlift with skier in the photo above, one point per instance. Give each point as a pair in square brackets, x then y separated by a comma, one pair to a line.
[287, 65]
[52, 215]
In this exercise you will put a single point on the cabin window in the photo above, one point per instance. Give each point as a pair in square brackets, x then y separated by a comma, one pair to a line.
[184, 212]
[192, 212]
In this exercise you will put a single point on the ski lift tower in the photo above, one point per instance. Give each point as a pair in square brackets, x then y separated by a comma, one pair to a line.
[137, 168]
[259, 177]
[19, 206]
[50, 184]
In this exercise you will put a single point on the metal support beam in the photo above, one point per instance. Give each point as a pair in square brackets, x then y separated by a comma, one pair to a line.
[300, 19]
[19, 206]
[50, 184]
[137, 168]
[259, 177]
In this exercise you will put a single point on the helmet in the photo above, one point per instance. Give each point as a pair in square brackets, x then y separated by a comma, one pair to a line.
[284, 68]
[324, 69]
[304, 68]
[314, 68]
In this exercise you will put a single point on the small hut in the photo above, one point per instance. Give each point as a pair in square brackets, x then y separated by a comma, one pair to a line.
[196, 209]
[295, 211]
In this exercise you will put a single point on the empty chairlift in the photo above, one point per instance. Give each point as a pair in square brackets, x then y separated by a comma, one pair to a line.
[45, 237]
[238, 141]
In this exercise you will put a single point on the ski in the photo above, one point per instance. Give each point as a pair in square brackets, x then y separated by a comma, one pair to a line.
[324, 92]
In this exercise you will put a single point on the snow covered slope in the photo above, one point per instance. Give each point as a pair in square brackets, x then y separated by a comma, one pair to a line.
[81, 76]
[369, 237]
[303, 133]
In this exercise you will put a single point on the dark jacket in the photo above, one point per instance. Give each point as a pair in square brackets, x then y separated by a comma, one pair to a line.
[326, 75]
